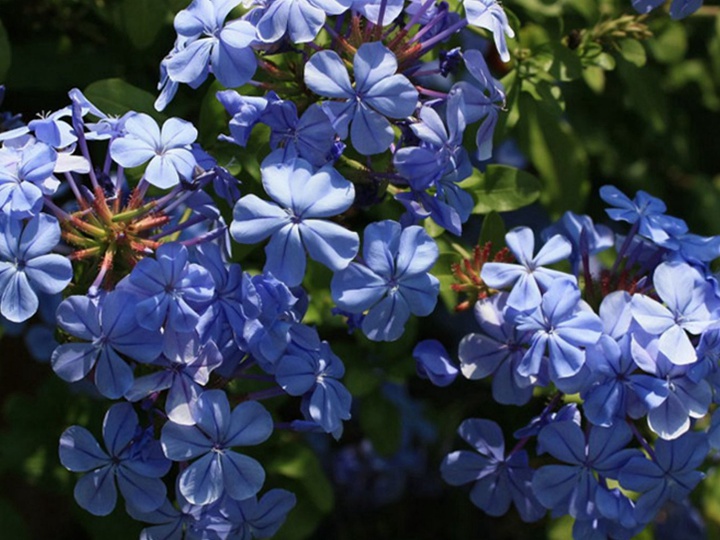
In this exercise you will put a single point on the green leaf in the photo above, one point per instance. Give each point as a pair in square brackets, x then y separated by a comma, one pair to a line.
[493, 231]
[556, 153]
[503, 189]
[115, 96]
[670, 44]
[4, 53]
[143, 19]
[595, 78]
[559, 61]
[633, 51]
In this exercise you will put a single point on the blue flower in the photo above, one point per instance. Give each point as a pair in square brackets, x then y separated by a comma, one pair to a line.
[432, 361]
[571, 488]
[679, 9]
[298, 221]
[378, 92]
[316, 374]
[690, 305]
[207, 45]
[219, 469]
[441, 152]
[310, 137]
[669, 475]
[392, 283]
[27, 267]
[301, 19]
[528, 278]
[108, 328]
[646, 212]
[677, 397]
[499, 480]
[246, 112]
[26, 174]
[490, 15]
[586, 238]
[172, 289]
[372, 9]
[133, 459]
[497, 351]
[258, 518]
[483, 99]
[560, 327]
[168, 151]
[183, 376]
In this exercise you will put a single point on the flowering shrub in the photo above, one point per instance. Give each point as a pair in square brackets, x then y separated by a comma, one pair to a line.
[362, 144]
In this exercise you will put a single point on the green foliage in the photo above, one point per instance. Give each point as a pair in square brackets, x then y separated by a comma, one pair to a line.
[502, 189]
[115, 96]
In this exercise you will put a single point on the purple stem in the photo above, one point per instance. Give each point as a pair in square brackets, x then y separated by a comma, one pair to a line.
[462, 23]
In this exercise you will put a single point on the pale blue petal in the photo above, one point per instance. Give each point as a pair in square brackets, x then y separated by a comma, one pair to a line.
[285, 256]
[395, 97]
[370, 132]
[243, 476]
[326, 75]
[143, 493]
[202, 482]
[250, 424]
[181, 443]
[357, 288]
[386, 320]
[329, 243]
[255, 219]
[19, 301]
[73, 361]
[79, 451]
[49, 273]
[96, 493]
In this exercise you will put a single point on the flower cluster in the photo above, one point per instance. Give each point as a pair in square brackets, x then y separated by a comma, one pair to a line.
[632, 351]
[133, 235]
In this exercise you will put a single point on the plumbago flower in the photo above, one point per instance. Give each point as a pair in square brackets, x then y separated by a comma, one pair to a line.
[26, 266]
[379, 92]
[207, 44]
[648, 363]
[392, 282]
[297, 222]
[301, 19]
[133, 460]
[217, 429]
[168, 150]
[490, 15]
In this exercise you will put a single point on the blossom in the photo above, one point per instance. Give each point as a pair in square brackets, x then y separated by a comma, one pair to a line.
[26, 174]
[27, 267]
[393, 281]
[528, 278]
[297, 220]
[499, 480]
[219, 469]
[171, 288]
[490, 15]
[378, 92]
[133, 459]
[168, 150]
[208, 43]
[109, 329]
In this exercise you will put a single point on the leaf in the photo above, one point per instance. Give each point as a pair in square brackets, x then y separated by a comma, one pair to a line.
[557, 154]
[559, 61]
[493, 231]
[5, 58]
[143, 19]
[115, 96]
[670, 44]
[503, 189]
[633, 51]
